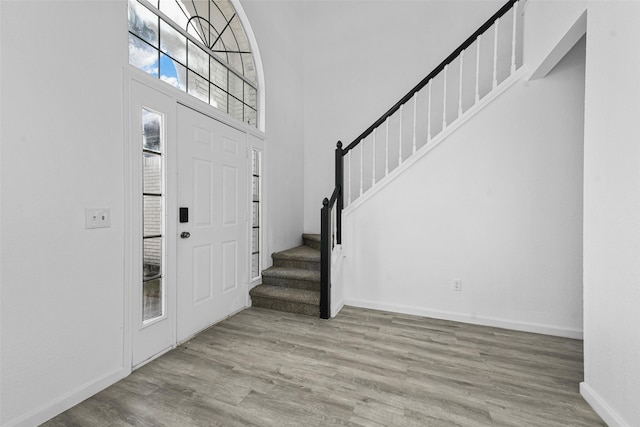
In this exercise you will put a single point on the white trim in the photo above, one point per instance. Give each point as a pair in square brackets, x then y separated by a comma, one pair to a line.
[257, 60]
[337, 309]
[127, 221]
[60, 404]
[165, 104]
[1, 116]
[337, 280]
[601, 407]
[258, 145]
[561, 48]
[451, 128]
[470, 318]
[190, 101]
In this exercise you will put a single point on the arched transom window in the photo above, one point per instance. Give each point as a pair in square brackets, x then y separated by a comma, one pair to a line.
[199, 47]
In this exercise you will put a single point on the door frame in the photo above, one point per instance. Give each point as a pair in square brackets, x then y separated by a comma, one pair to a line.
[133, 225]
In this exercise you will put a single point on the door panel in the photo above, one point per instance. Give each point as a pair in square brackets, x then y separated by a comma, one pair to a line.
[212, 182]
[203, 274]
[229, 266]
[203, 192]
[229, 196]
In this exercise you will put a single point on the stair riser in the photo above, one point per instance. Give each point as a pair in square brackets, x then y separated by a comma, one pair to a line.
[291, 283]
[290, 307]
[293, 263]
[312, 244]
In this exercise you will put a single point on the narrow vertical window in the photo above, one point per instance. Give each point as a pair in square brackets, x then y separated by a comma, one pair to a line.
[153, 305]
[255, 213]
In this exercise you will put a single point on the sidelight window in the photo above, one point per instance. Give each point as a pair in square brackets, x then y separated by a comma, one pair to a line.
[153, 290]
[256, 185]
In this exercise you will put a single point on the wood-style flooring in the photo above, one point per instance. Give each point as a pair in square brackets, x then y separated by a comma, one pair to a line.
[363, 368]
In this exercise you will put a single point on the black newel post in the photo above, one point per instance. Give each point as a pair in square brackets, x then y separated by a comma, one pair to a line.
[325, 259]
[339, 186]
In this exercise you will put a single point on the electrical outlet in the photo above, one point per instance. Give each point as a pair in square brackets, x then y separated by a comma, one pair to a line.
[457, 285]
[98, 218]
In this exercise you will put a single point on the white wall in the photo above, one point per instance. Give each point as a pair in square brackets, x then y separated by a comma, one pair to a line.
[360, 58]
[546, 24]
[277, 26]
[498, 205]
[62, 151]
[612, 212]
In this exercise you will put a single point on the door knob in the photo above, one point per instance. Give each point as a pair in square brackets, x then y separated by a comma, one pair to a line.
[185, 234]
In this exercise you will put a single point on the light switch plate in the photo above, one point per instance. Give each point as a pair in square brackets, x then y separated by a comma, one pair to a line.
[97, 217]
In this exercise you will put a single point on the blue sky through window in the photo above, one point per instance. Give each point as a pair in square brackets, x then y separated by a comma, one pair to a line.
[168, 71]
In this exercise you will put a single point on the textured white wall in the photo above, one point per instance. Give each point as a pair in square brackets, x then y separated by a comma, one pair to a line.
[360, 58]
[498, 204]
[612, 212]
[62, 150]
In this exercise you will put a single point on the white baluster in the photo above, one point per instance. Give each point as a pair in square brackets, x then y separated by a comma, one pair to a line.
[429, 114]
[400, 136]
[513, 38]
[460, 89]
[495, 54]
[415, 108]
[386, 151]
[478, 40]
[361, 164]
[444, 101]
[373, 166]
[349, 198]
[334, 224]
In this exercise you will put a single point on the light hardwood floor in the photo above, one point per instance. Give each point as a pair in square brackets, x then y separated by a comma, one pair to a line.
[363, 368]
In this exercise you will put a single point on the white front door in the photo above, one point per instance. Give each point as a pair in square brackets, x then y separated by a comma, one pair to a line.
[212, 251]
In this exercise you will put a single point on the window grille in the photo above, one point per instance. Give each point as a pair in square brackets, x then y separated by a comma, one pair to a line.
[200, 48]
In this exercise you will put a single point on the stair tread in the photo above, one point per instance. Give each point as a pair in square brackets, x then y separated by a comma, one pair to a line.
[292, 273]
[314, 237]
[286, 294]
[301, 253]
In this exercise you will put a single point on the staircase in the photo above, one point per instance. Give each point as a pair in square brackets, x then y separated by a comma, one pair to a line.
[292, 284]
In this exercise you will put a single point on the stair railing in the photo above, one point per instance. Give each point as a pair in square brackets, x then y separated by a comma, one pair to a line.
[330, 233]
[331, 213]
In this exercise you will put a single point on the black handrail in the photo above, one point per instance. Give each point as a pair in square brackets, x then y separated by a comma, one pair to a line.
[468, 42]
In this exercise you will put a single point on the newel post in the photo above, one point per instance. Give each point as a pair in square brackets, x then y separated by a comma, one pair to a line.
[325, 259]
[339, 186]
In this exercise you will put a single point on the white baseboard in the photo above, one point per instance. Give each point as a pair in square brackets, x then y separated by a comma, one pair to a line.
[470, 318]
[67, 400]
[605, 412]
